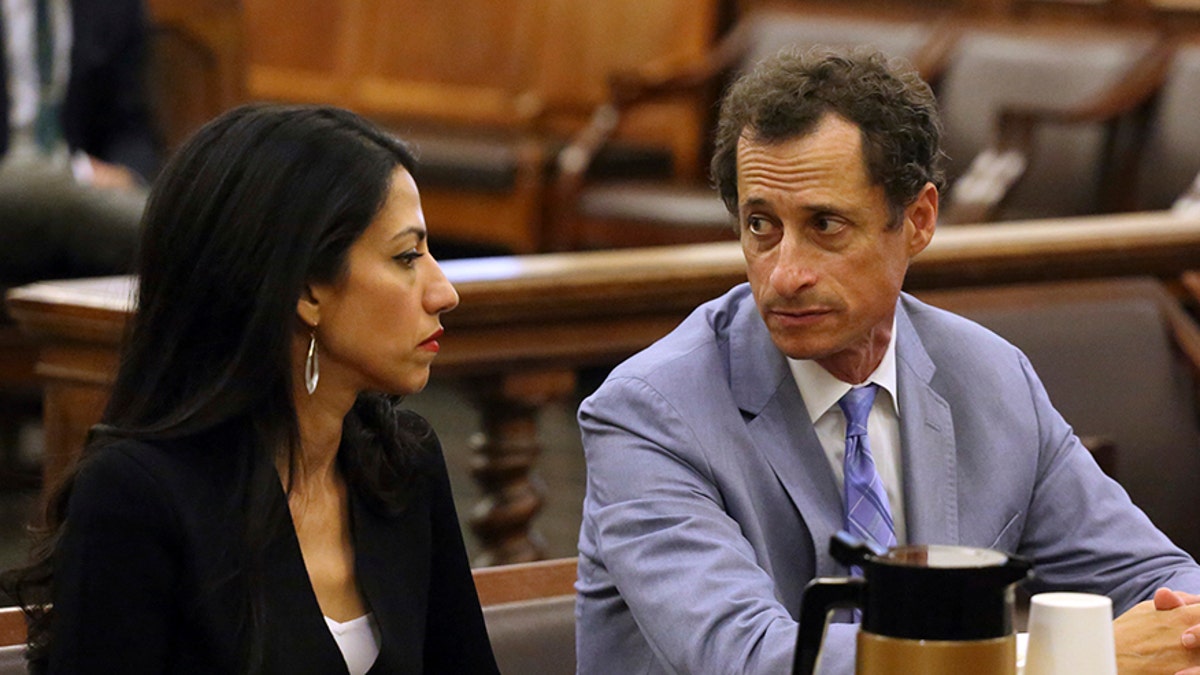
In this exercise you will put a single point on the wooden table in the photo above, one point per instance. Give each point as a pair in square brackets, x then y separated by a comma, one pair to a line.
[526, 324]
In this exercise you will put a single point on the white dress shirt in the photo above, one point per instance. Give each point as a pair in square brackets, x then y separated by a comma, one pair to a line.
[821, 392]
[358, 640]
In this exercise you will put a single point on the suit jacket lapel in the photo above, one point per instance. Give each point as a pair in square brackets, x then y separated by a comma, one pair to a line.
[763, 388]
[927, 442]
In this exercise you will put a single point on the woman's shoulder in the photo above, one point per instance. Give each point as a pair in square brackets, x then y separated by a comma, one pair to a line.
[175, 469]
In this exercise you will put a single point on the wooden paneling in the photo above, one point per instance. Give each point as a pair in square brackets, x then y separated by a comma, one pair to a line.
[464, 62]
[195, 66]
[583, 43]
[500, 63]
[301, 50]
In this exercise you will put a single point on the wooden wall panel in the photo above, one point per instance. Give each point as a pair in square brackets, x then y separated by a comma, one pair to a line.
[456, 62]
[499, 63]
[424, 59]
[301, 50]
[584, 42]
[196, 62]
[473, 44]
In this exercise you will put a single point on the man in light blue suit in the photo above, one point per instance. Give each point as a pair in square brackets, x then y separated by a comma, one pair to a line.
[715, 457]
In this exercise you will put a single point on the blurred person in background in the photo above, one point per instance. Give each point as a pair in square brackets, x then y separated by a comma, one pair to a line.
[76, 146]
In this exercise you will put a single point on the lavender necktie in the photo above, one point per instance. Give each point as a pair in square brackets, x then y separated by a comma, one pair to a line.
[867, 513]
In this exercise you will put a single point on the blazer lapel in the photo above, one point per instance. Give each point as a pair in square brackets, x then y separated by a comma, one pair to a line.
[392, 564]
[296, 627]
[764, 390]
[927, 442]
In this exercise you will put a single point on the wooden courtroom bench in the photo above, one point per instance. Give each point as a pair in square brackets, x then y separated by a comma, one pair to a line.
[529, 609]
[527, 324]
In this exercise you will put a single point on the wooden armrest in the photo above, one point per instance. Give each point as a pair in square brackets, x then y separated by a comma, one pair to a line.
[978, 192]
[525, 581]
[673, 75]
[1184, 329]
[935, 55]
[629, 88]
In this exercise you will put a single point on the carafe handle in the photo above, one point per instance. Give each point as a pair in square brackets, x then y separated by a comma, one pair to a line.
[821, 596]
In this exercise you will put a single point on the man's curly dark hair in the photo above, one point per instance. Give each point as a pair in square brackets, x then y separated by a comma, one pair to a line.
[785, 97]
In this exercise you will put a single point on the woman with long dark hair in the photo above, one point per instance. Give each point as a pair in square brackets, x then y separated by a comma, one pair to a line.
[254, 500]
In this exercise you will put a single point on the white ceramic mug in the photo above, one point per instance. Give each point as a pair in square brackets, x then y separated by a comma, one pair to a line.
[1070, 633]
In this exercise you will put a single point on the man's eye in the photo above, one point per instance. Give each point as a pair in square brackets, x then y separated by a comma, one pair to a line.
[758, 225]
[826, 225]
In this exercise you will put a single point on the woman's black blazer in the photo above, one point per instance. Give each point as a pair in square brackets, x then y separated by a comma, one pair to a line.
[148, 572]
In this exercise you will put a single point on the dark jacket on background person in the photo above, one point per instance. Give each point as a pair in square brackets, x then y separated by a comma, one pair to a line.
[106, 113]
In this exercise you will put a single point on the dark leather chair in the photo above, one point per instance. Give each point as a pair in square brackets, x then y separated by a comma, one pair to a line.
[593, 213]
[1035, 118]
[1120, 359]
[1169, 164]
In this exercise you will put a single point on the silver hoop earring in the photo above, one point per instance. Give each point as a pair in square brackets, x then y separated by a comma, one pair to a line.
[312, 368]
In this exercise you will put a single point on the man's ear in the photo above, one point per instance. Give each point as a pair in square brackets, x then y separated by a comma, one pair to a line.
[920, 219]
[308, 307]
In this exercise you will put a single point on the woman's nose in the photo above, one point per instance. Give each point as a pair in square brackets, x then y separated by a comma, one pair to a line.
[440, 295]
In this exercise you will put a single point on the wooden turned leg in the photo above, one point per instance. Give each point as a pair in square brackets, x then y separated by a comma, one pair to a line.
[505, 453]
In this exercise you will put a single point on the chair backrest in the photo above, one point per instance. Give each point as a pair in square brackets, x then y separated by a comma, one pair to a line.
[12, 641]
[993, 68]
[764, 33]
[529, 609]
[1111, 356]
[1171, 154]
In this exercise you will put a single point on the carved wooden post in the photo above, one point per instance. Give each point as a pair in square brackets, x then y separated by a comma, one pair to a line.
[505, 452]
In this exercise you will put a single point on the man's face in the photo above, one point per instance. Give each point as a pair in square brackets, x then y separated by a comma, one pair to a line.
[823, 260]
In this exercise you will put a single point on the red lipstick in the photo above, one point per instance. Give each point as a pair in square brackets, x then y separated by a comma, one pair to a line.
[431, 343]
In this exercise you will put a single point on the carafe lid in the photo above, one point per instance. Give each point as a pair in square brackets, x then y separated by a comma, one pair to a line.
[934, 592]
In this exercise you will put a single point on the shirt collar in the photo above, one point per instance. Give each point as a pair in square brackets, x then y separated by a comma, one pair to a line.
[821, 390]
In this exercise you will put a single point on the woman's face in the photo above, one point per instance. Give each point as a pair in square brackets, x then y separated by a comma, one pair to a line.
[378, 326]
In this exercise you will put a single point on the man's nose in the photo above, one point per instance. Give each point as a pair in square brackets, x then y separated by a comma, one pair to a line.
[794, 267]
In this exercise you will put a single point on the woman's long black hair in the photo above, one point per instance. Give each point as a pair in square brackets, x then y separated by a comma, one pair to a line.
[260, 202]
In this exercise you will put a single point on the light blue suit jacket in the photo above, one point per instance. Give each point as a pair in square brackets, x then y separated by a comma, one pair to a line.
[710, 502]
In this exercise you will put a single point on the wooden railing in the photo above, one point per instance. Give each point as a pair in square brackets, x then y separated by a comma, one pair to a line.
[526, 324]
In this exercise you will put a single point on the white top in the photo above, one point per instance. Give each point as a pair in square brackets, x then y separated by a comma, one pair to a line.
[359, 641]
[821, 393]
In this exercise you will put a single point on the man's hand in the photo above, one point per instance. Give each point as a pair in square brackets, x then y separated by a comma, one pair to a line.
[112, 176]
[1166, 599]
[1148, 636]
